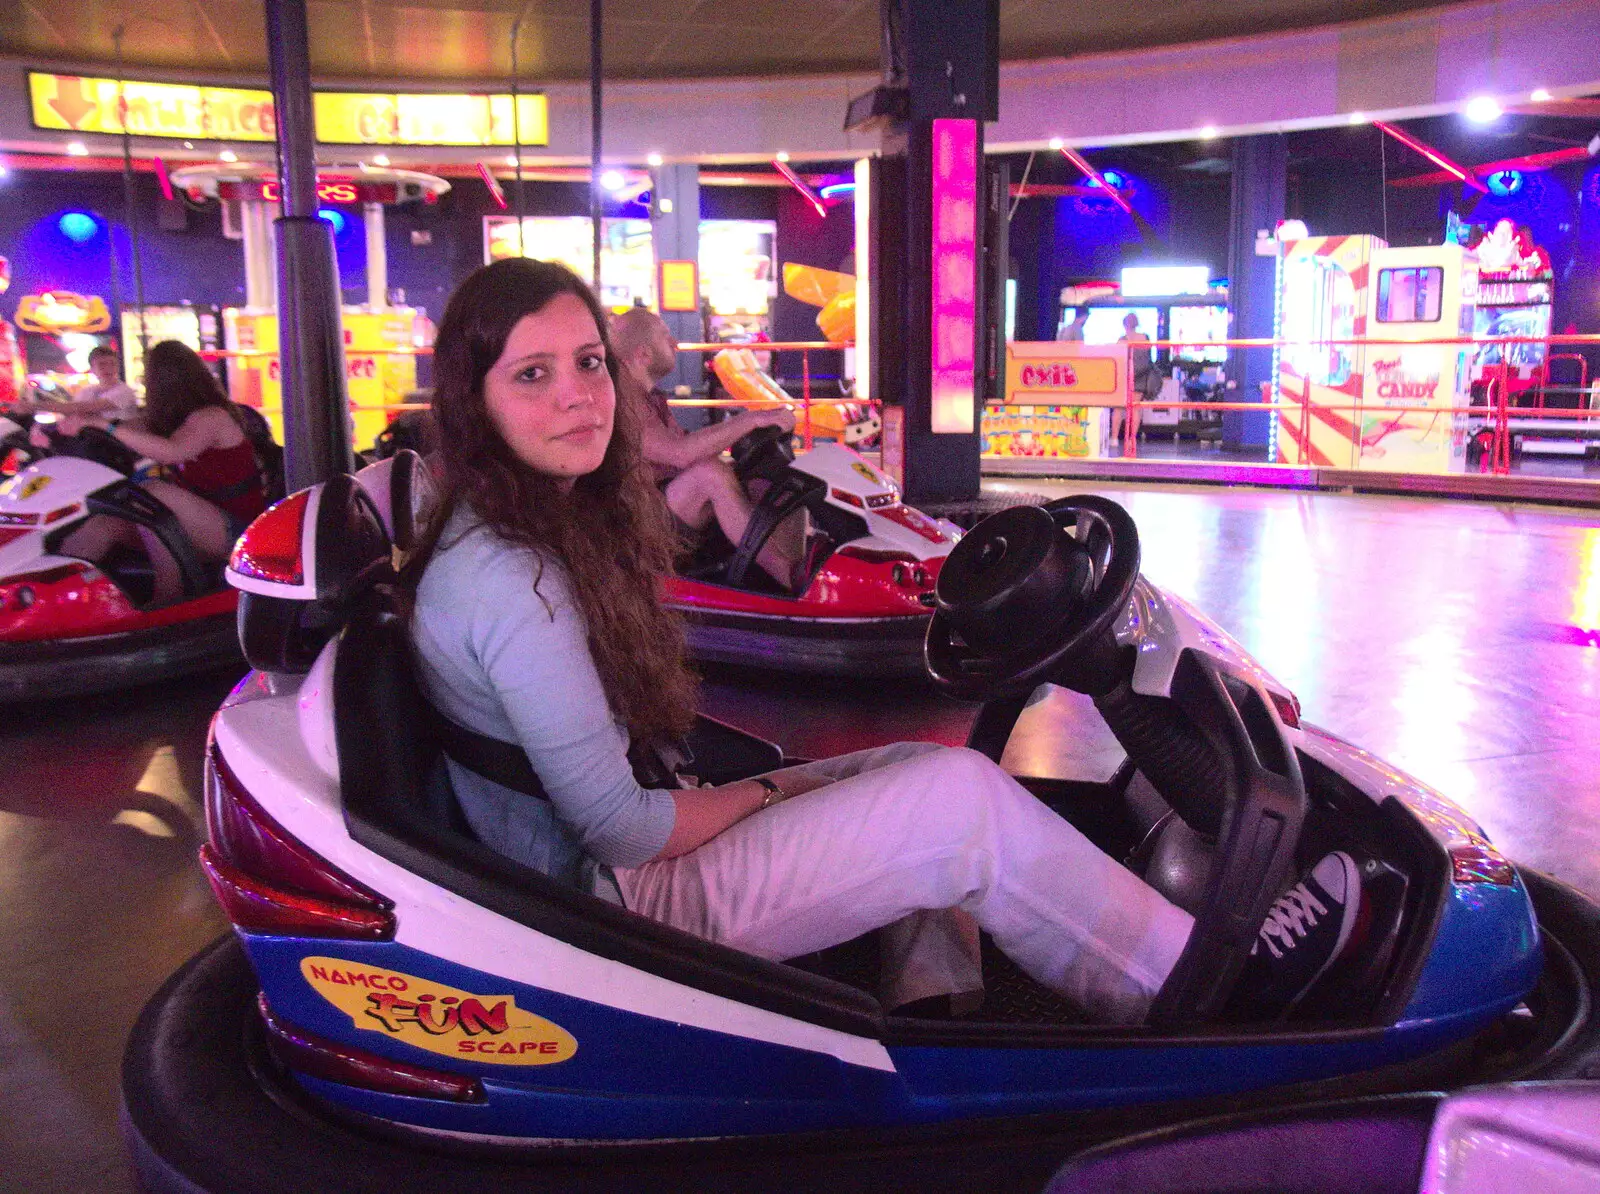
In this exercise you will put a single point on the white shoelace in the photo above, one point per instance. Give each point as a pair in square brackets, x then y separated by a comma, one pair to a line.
[1295, 911]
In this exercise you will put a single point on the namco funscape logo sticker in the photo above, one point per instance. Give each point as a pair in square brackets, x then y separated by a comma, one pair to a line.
[440, 1019]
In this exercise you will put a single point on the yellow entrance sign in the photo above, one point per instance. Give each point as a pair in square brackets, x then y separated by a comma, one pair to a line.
[86, 105]
[76, 103]
[1051, 373]
[350, 118]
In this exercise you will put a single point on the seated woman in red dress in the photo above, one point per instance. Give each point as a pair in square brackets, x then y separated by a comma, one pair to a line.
[217, 487]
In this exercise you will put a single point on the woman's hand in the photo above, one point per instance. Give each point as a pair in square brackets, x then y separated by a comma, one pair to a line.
[72, 424]
[703, 813]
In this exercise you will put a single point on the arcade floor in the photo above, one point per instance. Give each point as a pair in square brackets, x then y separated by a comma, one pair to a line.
[1460, 641]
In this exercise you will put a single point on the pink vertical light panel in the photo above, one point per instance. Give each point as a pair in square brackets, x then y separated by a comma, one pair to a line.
[955, 274]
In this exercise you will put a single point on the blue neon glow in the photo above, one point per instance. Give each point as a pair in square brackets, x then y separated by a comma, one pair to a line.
[335, 218]
[1113, 179]
[1505, 183]
[837, 190]
[78, 226]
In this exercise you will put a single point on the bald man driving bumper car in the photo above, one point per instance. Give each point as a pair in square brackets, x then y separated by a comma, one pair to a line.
[699, 485]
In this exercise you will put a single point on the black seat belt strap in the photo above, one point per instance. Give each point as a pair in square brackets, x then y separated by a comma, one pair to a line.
[504, 763]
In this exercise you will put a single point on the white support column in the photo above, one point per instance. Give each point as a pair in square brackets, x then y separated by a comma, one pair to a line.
[260, 254]
[377, 257]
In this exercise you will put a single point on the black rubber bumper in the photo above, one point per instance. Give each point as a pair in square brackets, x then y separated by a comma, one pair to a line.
[869, 648]
[79, 666]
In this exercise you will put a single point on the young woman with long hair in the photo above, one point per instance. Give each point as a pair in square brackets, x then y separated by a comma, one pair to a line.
[536, 622]
[217, 485]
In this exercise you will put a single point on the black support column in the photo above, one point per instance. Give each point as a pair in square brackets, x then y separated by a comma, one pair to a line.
[941, 82]
[316, 412]
[1260, 180]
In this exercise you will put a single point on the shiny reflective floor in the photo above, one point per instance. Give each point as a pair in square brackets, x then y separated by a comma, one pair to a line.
[1460, 641]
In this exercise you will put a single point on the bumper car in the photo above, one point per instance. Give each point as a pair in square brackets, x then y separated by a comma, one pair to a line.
[863, 603]
[69, 627]
[865, 597]
[400, 1007]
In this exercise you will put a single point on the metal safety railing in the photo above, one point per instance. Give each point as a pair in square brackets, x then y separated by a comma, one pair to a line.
[804, 347]
[1296, 401]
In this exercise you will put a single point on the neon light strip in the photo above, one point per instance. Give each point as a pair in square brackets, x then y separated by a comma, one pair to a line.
[799, 184]
[1433, 155]
[955, 276]
[1277, 351]
[161, 177]
[863, 222]
[1082, 163]
[495, 193]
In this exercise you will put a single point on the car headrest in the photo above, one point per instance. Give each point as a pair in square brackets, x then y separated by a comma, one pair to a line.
[298, 567]
[404, 492]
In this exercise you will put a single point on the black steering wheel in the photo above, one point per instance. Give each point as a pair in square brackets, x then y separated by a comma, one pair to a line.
[762, 452]
[1032, 594]
[96, 444]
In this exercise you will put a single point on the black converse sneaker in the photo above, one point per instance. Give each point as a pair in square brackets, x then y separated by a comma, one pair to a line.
[1305, 930]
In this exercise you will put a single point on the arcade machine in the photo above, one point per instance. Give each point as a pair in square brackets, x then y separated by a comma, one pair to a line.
[743, 377]
[1516, 290]
[737, 278]
[196, 327]
[627, 263]
[1336, 289]
[59, 331]
[1173, 303]
[380, 339]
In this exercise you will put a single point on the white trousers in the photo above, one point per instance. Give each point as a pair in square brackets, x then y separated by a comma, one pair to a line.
[906, 830]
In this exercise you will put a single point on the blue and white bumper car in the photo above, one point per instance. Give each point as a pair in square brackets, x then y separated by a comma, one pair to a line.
[401, 1007]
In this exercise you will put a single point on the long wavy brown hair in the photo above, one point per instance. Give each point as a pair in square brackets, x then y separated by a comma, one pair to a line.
[176, 384]
[611, 531]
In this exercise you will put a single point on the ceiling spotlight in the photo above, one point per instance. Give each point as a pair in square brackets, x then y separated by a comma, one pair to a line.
[188, 144]
[1358, 118]
[652, 159]
[1207, 132]
[613, 180]
[1056, 142]
[1541, 96]
[380, 159]
[228, 155]
[77, 149]
[783, 155]
[1482, 109]
[512, 161]
[5, 172]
